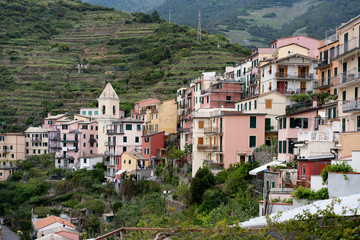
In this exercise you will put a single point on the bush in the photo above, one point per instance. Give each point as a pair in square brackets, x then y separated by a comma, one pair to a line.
[343, 167]
[300, 98]
[307, 193]
[203, 180]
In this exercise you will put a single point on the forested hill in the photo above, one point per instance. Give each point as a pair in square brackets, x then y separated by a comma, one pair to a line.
[59, 55]
[128, 5]
[257, 22]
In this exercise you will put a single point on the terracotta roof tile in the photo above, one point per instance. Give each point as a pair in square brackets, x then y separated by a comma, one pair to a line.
[50, 220]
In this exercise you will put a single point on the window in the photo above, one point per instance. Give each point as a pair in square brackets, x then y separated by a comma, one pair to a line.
[273, 184]
[252, 122]
[27, 144]
[238, 107]
[245, 106]
[201, 124]
[284, 123]
[334, 112]
[270, 70]
[249, 105]
[228, 98]
[84, 136]
[128, 127]
[124, 139]
[291, 147]
[200, 141]
[13, 156]
[44, 151]
[129, 161]
[252, 141]
[114, 110]
[83, 112]
[284, 146]
[146, 139]
[344, 96]
[96, 112]
[103, 109]
[343, 125]
[64, 127]
[299, 123]
[268, 103]
[84, 160]
[136, 139]
[138, 127]
[124, 149]
[90, 113]
[92, 127]
[255, 104]
[280, 146]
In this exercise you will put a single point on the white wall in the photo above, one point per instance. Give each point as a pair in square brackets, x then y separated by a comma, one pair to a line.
[338, 186]
[316, 183]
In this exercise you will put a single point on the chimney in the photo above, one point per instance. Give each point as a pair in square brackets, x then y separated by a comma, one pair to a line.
[315, 102]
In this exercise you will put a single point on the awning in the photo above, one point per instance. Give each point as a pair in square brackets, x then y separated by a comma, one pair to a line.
[264, 167]
[120, 172]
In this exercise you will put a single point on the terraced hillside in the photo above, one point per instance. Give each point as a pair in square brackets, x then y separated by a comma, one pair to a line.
[67, 68]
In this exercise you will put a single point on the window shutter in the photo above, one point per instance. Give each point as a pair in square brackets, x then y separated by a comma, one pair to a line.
[284, 123]
[284, 146]
[200, 141]
[252, 122]
[292, 123]
[201, 124]
[305, 123]
[280, 147]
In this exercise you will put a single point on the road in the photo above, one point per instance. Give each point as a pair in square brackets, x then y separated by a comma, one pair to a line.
[7, 234]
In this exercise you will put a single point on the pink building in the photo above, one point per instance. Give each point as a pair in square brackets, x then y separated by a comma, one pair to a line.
[153, 147]
[51, 121]
[123, 136]
[299, 117]
[141, 106]
[242, 133]
[311, 43]
[221, 94]
[77, 139]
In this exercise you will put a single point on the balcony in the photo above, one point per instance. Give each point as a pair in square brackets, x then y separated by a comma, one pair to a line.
[213, 165]
[110, 144]
[54, 138]
[110, 175]
[252, 82]
[323, 64]
[212, 130]
[348, 47]
[315, 136]
[350, 106]
[109, 163]
[36, 139]
[203, 92]
[113, 132]
[202, 147]
[71, 140]
[269, 128]
[298, 106]
[294, 75]
[350, 76]
[92, 140]
[6, 150]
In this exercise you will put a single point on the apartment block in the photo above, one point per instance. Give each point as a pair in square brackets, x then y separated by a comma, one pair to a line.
[36, 141]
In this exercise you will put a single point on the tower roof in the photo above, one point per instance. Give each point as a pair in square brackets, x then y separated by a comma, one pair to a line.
[108, 93]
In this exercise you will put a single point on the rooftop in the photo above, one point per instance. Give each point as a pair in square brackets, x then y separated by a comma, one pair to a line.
[50, 220]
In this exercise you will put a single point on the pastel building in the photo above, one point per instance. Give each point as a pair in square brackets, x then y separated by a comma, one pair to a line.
[77, 139]
[348, 58]
[133, 163]
[310, 43]
[12, 148]
[108, 110]
[225, 136]
[153, 147]
[122, 136]
[298, 118]
[37, 139]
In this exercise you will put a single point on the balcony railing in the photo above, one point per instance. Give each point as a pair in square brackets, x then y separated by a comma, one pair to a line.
[70, 140]
[109, 163]
[112, 132]
[269, 128]
[211, 130]
[36, 139]
[207, 147]
[294, 75]
[315, 136]
[298, 106]
[110, 144]
[6, 150]
[54, 138]
[353, 74]
[107, 174]
[349, 105]
[346, 47]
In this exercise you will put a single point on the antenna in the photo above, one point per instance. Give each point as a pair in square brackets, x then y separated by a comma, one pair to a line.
[199, 27]
[169, 15]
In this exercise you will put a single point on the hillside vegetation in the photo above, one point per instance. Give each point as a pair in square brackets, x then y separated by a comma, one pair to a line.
[128, 5]
[59, 55]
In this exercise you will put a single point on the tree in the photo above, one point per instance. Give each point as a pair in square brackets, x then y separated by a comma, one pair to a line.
[203, 180]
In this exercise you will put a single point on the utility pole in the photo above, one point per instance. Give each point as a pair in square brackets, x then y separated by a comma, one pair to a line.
[169, 15]
[199, 27]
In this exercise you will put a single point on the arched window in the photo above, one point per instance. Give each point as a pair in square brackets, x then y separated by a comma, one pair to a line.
[103, 109]
[114, 110]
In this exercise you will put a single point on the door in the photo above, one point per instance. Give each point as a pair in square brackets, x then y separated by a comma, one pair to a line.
[346, 39]
[303, 87]
[344, 71]
[281, 86]
[267, 124]
[358, 123]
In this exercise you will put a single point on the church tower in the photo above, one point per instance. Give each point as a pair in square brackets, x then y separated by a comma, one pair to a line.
[108, 112]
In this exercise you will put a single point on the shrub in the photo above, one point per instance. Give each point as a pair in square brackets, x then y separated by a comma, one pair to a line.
[307, 193]
[203, 180]
[343, 167]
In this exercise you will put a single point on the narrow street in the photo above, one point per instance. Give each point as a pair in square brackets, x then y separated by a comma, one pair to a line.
[7, 234]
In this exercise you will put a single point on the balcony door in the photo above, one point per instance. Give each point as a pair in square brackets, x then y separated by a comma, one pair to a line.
[303, 72]
[281, 86]
[344, 71]
[282, 71]
[346, 40]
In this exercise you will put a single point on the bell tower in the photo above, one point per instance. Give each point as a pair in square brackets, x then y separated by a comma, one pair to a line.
[108, 107]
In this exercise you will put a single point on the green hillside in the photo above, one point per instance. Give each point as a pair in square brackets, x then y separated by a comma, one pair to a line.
[43, 43]
[128, 5]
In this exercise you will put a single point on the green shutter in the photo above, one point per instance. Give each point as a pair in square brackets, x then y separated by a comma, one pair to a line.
[292, 123]
[255, 104]
[280, 147]
[284, 123]
[273, 184]
[334, 113]
[291, 147]
[284, 146]
[252, 122]
[329, 113]
[356, 93]
[252, 141]
[305, 122]
[267, 184]
[267, 124]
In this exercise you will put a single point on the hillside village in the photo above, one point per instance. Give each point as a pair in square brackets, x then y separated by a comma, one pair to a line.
[292, 108]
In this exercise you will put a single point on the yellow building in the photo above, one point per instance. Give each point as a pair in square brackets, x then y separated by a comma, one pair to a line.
[290, 49]
[133, 161]
[162, 116]
[36, 141]
[12, 148]
[348, 56]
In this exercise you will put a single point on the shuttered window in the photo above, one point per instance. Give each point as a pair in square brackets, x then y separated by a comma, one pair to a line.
[268, 103]
[252, 122]
[252, 141]
[201, 124]
[284, 146]
[200, 141]
[280, 146]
